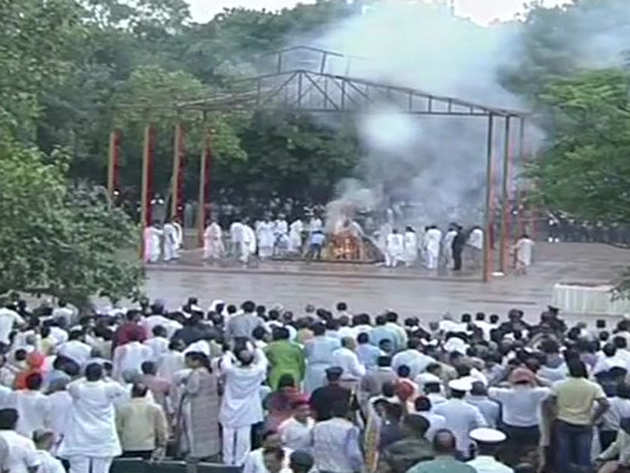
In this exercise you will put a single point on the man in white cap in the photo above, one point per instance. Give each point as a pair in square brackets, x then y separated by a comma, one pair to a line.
[488, 441]
[461, 417]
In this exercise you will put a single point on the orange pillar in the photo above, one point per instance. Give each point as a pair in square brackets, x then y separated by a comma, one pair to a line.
[178, 174]
[204, 186]
[147, 182]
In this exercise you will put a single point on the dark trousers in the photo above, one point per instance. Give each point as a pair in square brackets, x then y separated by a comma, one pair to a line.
[521, 436]
[144, 454]
[573, 445]
[457, 259]
[606, 438]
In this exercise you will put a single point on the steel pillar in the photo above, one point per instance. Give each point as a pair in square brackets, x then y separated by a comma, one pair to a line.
[487, 263]
[505, 200]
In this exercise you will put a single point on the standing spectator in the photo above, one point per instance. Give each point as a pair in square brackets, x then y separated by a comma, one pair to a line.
[413, 448]
[9, 319]
[368, 354]
[284, 357]
[130, 356]
[44, 441]
[241, 406]
[488, 442]
[520, 408]
[141, 426]
[579, 404]
[75, 348]
[91, 441]
[346, 358]
[242, 325]
[460, 416]
[130, 330]
[22, 456]
[201, 408]
[446, 449]
[436, 421]
[336, 443]
[296, 431]
[318, 352]
[32, 406]
[60, 403]
[323, 398]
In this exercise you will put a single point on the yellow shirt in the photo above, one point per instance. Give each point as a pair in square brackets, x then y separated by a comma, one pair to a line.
[141, 425]
[575, 398]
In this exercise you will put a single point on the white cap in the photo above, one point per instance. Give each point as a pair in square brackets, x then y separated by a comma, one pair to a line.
[460, 384]
[485, 435]
[427, 378]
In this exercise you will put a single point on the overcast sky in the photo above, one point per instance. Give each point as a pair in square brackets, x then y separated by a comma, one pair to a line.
[482, 11]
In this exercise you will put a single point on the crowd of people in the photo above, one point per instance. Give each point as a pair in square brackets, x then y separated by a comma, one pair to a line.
[321, 390]
[267, 238]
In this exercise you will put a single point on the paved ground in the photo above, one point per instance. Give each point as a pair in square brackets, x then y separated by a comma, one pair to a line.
[372, 289]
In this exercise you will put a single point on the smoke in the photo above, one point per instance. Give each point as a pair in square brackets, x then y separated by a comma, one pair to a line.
[437, 165]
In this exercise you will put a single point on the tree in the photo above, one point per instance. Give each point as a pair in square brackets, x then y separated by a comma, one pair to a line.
[57, 240]
[585, 170]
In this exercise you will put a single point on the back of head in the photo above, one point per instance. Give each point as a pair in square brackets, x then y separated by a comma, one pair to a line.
[480, 316]
[444, 442]
[577, 369]
[8, 419]
[494, 319]
[363, 338]
[413, 343]
[422, 404]
[381, 320]
[148, 367]
[34, 381]
[609, 350]
[319, 329]
[388, 389]
[466, 318]
[417, 424]
[392, 317]
[620, 342]
[384, 361]
[403, 371]
[342, 307]
[139, 390]
[248, 306]
[93, 372]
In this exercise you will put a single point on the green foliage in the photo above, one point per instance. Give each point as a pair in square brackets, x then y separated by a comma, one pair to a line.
[59, 240]
[586, 171]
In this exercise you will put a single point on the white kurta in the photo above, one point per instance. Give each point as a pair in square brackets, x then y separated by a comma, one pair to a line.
[169, 364]
[179, 235]
[295, 236]
[432, 240]
[213, 242]
[476, 239]
[152, 240]
[33, 410]
[237, 234]
[447, 247]
[266, 239]
[524, 248]
[249, 242]
[411, 247]
[60, 405]
[129, 357]
[241, 405]
[91, 430]
[394, 249]
[170, 242]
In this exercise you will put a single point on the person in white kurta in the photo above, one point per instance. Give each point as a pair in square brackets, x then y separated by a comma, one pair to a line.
[475, 242]
[241, 406]
[60, 403]
[295, 237]
[281, 232]
[171, 362]
[394, 248]
[266, 239]
[44, 442]
[32, 406]
[129, 357]
[170, 241]
[152, 244]
[249, 243]
[213, 248]
[237, 234]
[179, 237]
[411, 247]
[432, 240]
[523, 254]
[91, 441]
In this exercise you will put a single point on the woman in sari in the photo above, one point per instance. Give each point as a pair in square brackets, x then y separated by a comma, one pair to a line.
[199, 409]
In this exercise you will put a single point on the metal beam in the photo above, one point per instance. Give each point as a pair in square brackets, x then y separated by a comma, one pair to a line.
[505, 204]
[487, 263]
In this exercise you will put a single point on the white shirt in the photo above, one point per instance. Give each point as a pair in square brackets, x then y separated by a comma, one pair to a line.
[295, 435]
[48, 463]
[520, 404]
[130, 356]
[461, 418]
[58, 334]
[8, 318]
[169, 364]
[22, 452]
[487, 464]
[416, 361]
[77, 350]
[241, 404]
[60, 404]
[476, 238]
[395, 243]
[152, 321]
[436, 422]
[254, 462]
[524, 248]
[65, 313]
[91, 429]
[33, 410]
[349, 362]
[159, 346]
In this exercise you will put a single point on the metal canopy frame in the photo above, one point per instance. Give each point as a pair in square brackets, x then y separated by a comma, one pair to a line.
[318, 90]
